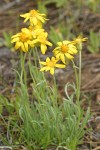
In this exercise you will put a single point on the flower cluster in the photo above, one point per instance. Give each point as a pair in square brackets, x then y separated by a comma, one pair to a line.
[64, 52]
[35, 35]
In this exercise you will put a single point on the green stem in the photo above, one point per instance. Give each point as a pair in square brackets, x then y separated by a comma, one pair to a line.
[77, 80]
[78, 77]
[55, 91]
[23, 71]
[80, 67]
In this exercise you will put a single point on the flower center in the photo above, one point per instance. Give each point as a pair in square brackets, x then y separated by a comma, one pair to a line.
[51, 64]
[23, 37]
[64, 48]
[33, 13]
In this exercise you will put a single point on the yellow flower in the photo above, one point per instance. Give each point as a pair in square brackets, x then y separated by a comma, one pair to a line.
[38, 26]
[79, 40]
[36, 32]
[50, 65]
[42, 41]
[23, 40]
[34, 17]
[40, 38]
[64, 50]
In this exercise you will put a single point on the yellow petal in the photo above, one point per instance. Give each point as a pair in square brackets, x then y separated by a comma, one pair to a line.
[59, 43]
[26, 31]
[48, 43]
[18, 44]
[35, 41]
[22, 47]
[42, 62]
[40, 18]
[43, 48]
[71, 46]
[72, 51]
[56, 52]
[26, 19]
[30, 43]
[69, 56]
[43, 14]
[60, 66]
[24, 15]
[47, 68]
[43, 69]
[52, 71]
[58, 55]
[14, 36]
[26, 46]
[47, 59]
[62, 58]
[53, 59]
[33, 20]
[85, 39]
[66, 42]
[15, 40]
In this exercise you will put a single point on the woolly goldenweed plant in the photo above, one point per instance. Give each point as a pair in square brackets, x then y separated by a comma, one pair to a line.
[46, 119]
